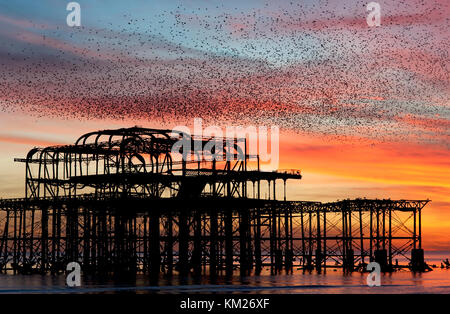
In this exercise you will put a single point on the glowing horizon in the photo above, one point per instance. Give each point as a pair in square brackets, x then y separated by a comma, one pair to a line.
[363, 112]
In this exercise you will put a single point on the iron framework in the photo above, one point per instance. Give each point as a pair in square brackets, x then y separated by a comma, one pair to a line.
[124, 201]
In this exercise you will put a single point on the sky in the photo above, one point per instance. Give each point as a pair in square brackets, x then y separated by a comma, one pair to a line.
[363, 111]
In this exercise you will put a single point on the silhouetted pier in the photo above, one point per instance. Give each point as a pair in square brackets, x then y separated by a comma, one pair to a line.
[122, 201]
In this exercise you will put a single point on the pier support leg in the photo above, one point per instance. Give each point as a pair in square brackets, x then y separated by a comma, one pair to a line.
[155, 253]
[213, 244]
[243, 237]
[258, 262]
[169, 245]
[196, 261]
[183, 244]
[417, 260]
[319, 244]
[229, 243]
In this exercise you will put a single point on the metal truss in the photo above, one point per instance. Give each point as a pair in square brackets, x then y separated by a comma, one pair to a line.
[125, 201]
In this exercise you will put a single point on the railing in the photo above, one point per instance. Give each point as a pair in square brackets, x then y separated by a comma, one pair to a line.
[289, 171]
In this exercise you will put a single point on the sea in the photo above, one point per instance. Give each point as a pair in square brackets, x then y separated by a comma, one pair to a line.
[333, 281]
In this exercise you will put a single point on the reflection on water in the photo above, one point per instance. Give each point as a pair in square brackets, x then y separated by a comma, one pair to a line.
[437, 281]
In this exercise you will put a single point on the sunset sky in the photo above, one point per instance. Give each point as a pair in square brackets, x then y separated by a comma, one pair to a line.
[363, 111]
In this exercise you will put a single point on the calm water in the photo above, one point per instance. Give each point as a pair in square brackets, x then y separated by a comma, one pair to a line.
[436, 281]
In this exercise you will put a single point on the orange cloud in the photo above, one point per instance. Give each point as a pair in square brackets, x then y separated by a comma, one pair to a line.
[355, 167]
[27, 141]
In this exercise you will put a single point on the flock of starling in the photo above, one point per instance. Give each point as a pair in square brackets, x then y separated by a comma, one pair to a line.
[306, 68]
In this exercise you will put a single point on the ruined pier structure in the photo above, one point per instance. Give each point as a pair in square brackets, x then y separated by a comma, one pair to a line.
[121, 201]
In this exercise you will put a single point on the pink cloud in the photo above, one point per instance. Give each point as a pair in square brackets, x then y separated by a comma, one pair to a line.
[24, 23]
